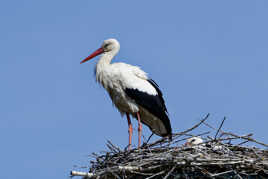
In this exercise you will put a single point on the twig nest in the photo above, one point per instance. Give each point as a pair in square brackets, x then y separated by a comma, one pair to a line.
[218, 157]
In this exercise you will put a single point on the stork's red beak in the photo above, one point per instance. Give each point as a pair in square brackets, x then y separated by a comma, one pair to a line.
[94, 54]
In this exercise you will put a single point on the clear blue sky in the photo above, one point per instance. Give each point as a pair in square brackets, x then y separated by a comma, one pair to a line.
[207, 57]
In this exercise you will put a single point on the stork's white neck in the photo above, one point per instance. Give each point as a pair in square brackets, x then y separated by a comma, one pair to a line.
[103, 65]
[105, 59]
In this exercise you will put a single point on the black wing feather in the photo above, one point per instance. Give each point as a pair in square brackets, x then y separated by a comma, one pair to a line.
[155, 85]
[155, 104]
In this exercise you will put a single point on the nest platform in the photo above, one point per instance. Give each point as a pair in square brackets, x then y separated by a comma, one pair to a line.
[223, 155]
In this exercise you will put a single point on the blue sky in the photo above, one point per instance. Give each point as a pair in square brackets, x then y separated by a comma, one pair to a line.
[207, 57]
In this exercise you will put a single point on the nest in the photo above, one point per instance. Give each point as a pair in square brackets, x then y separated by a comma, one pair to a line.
[222, 156]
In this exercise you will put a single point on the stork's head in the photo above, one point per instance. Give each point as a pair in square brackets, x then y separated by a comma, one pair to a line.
[109, 46]
[193, 141]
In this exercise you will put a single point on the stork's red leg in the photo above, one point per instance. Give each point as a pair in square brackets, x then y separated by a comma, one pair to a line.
[139, 128]
[130, 131]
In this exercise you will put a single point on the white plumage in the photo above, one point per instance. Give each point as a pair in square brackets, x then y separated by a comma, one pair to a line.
[193, 141]
[131, 91]
[119, 76]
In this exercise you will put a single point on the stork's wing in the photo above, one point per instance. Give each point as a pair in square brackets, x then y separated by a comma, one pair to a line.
[152, 102]
[162, 101]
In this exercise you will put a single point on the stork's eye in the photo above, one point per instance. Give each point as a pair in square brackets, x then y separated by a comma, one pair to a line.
[105, 45]
[193, 140]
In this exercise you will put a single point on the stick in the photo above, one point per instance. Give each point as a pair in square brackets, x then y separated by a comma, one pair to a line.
[219, 128]
[84, 174]
[170, 172]
[180, 133]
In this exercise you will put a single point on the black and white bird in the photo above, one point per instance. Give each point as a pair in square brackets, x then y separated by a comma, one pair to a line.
[131, 91]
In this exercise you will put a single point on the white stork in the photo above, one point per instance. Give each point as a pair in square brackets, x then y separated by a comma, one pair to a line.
[131, 91]
[193, 141]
